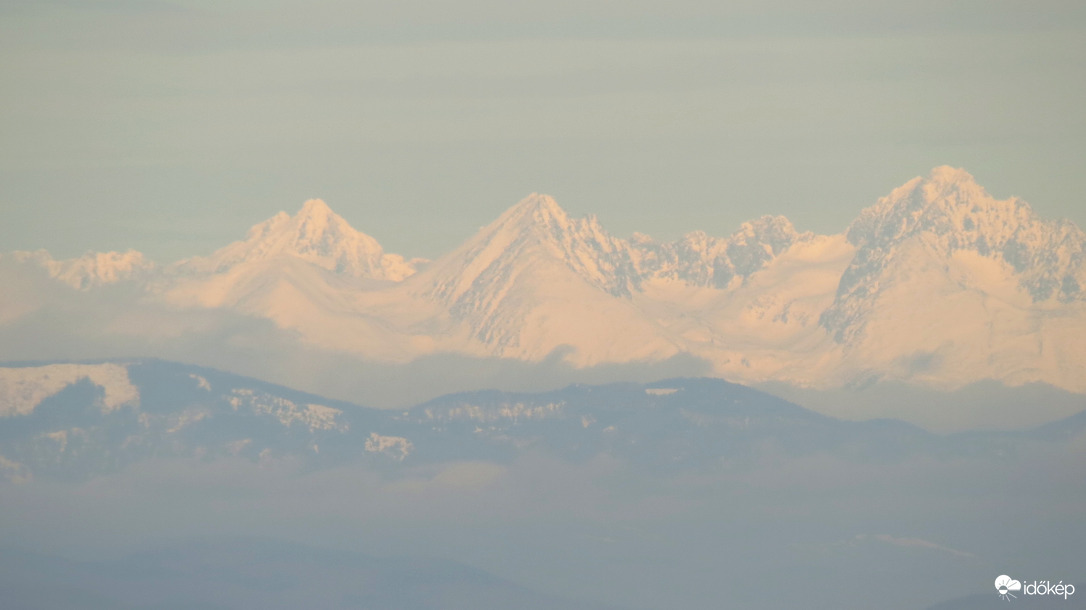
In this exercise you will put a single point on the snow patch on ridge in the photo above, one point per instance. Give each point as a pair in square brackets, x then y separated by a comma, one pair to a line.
[508, 411]
[22, 389]
[313, 416]
[396, 447]
[660, 391]
[201, 383]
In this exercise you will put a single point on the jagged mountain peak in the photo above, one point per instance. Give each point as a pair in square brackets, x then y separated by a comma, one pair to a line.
[541, 217]
[700, 259]
[777, 232]
[942, 184]
[316, 208]
[949, 202]
[534, 232]
[947, 175]
[948, 216]
[316, 223]
[538, 207]
[315, 234]
[768, 222]
[759, 241]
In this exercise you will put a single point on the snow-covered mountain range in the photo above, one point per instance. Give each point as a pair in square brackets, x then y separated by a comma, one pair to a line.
[938, 283]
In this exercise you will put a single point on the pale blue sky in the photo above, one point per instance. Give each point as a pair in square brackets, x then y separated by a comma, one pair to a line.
[171, 127]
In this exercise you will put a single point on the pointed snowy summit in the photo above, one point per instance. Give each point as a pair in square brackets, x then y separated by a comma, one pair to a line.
[316, 207]
[533, 211]
[949, 202]
[535, 232]
[317, 235]
[947, 219]
[947, 174]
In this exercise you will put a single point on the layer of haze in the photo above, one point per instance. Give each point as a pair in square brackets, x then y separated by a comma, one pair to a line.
[813, 532]
[171, 127]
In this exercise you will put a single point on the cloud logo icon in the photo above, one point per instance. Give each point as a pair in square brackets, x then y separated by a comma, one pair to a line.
[1005, 584]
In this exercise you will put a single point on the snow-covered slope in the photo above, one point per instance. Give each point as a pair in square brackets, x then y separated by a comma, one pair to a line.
[536, 280]
[311, 272]
[765, 326]
[949, 215]
[22, 389]
[297, 254]
[949, 284]
[316, 235]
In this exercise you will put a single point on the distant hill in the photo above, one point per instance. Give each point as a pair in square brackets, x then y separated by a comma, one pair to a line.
[74, 420]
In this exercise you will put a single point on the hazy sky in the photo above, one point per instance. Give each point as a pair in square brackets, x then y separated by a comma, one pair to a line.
[171, 127]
